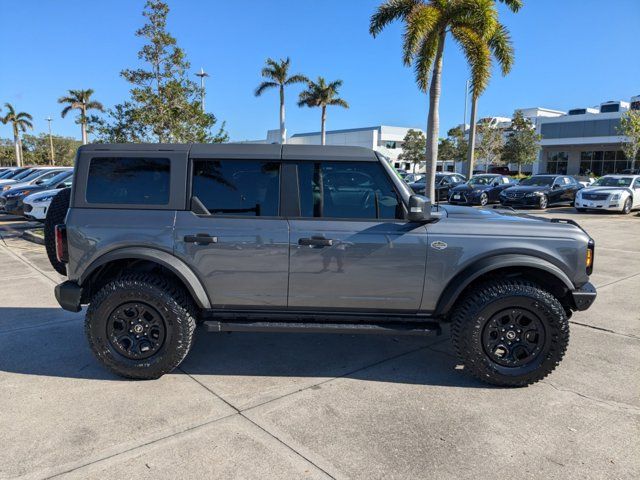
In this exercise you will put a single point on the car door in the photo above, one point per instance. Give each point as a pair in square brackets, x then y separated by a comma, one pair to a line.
[234, 237]
[557, 191]
[636, 193]
[350, 246]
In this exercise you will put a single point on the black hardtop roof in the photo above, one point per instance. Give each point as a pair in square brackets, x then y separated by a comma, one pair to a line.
[242, 150]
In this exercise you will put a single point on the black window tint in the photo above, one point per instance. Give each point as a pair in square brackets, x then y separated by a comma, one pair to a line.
[346, 190]
[238, 187]
[129, 181]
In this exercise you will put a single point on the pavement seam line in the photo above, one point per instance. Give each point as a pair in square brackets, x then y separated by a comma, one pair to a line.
[142, 445]
[618, 281]
[605, 330]
[617, 405]
[240, 413]
[26, 262]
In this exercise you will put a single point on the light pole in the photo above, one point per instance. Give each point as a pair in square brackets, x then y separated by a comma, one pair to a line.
[202, 74]
[49, 119]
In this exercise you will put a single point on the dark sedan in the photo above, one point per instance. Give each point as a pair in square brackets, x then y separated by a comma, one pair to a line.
[444, 183]
[11, 201]
[541, 191]
[480, 190]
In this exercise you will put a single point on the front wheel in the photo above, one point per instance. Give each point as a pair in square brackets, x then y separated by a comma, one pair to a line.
[626, 208]
[510, 332]
[140, 325]
[543, 203]
[484, 199]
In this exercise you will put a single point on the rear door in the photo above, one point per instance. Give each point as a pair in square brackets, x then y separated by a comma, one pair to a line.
[350, 246]
[234, 236]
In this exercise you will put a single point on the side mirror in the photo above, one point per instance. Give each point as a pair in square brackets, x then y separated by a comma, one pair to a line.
[419, 209]
[555, 186]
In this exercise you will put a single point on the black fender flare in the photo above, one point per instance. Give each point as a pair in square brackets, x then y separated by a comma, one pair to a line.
[462, 280]
[167, 260]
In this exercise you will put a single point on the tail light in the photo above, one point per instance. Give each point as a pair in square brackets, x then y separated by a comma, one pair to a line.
[61, 243]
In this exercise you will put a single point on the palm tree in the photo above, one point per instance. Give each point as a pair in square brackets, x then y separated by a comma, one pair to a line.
[20, 121]
[80, 100]
[277, 74]
[428, 24]
[499, 43]
[322, 94]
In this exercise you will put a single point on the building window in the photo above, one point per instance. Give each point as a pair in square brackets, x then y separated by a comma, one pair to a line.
[391, 145]
[600, 163]
[557, 162]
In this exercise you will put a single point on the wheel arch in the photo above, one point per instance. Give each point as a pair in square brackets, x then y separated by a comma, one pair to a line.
[149, 256]
[511, 265]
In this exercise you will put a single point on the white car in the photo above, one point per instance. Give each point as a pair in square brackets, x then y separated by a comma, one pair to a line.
[37, 204]
[617, 193]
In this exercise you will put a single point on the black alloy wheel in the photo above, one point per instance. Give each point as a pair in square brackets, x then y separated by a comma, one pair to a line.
[136, 330]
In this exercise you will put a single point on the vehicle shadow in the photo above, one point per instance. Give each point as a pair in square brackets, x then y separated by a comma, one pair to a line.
[54, 345]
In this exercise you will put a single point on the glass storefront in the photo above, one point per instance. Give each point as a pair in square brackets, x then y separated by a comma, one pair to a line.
[557, 162]
[604, 162]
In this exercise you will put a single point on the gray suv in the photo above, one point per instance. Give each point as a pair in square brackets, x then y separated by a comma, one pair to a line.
[159, 238]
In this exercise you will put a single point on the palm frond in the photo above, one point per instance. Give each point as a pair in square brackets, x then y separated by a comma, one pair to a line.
[298, 78]
[95, 105]
[502, 48]
[421, 23]
[513, 5]
[478, 57]
[65, 110]
[389, 12]
[338, 102]
[24, 124]
[23, 116]
[265, 86]
[424, 60]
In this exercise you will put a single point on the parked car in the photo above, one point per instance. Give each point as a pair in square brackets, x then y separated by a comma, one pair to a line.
[413, 177]
[15, 175]
[584, 180]
[541, 191]
[303, 238]
[480, 190]
[37, 204]
[445, 181]
[37, 176]
[11, 201]
[617, 193]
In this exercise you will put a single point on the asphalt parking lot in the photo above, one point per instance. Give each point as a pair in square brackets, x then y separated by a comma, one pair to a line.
[296, 406]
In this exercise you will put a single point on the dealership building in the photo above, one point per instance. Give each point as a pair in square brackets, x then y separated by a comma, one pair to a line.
[585, 141]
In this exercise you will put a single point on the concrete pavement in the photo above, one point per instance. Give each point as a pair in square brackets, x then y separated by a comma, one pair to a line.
[318, 406]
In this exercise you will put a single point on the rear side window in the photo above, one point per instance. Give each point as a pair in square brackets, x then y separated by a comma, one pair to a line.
[238, 187]
[347, 190]
[129, 181]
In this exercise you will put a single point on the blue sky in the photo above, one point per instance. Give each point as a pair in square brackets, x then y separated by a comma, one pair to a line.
[569, 53]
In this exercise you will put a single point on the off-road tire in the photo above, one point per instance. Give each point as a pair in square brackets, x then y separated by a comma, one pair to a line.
[168, 298]
[55, 216]
[473, 312]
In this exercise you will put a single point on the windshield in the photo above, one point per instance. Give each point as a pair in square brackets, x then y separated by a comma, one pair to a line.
[537, 181]
[57, 179]
[22, 175]
[6, 174]
[483, 180]
[613, 182]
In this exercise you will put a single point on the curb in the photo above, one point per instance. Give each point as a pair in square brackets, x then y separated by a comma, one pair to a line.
[32, 237]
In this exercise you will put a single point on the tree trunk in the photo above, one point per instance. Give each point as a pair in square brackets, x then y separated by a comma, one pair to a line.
[16, 141]
[472, 136]
[322, 131]
[283, 131]
[83, 124]
[433, 122]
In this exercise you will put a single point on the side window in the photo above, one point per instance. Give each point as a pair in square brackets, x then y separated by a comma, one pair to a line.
[238, 187]
[129, 181]
[347, 190]
[636, 184]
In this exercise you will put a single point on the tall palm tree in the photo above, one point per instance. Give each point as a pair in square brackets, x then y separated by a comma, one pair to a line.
[80, 100]
[499, 43]
[322, 94]
[20, 121]
[277, 74]
[428, 24]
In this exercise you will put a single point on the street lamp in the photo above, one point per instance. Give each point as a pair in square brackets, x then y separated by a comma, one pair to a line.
[202, 74]
[49, 119]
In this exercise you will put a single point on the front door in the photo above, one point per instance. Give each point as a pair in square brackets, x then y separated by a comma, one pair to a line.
[350, 248]
[238, 244]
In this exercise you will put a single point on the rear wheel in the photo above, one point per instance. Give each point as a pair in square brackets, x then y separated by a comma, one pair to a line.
[140, 325]
[510, 332]
[55, 215]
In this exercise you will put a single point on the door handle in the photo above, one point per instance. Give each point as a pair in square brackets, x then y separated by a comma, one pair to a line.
[200, 239]
[316, 241]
